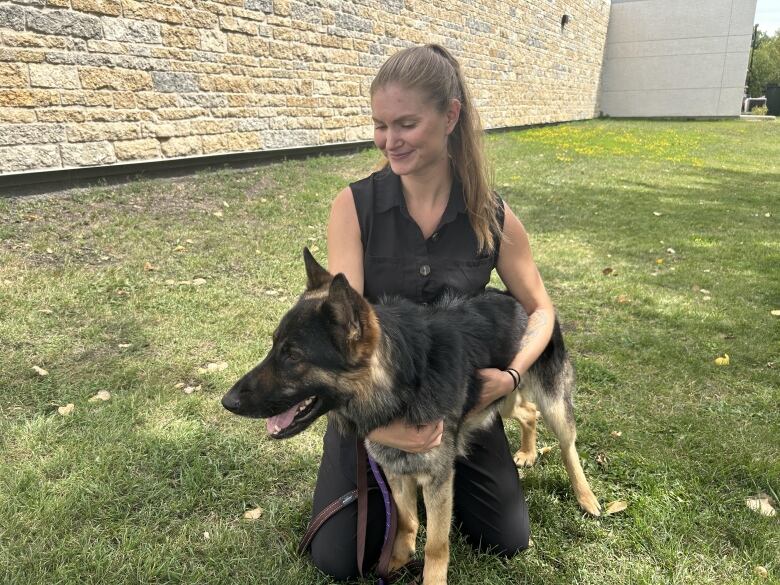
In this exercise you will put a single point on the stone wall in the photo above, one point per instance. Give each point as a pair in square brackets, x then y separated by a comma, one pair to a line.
[101, 82]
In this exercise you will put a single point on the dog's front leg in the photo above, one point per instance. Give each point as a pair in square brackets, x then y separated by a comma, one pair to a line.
[438, 508]
[404, 488]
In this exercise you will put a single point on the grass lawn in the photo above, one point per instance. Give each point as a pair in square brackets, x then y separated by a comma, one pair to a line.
[659, 243]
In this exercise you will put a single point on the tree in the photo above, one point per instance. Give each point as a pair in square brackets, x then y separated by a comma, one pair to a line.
[765, 66]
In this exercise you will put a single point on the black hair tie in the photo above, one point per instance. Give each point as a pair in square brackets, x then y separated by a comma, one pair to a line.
[515, 376]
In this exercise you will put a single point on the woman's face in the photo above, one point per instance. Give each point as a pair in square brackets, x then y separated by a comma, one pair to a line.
[409, 130]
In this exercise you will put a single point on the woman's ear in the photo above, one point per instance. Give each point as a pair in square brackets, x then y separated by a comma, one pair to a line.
[453, 115]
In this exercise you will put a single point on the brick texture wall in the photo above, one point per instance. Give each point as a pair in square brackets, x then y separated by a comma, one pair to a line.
[101, 82]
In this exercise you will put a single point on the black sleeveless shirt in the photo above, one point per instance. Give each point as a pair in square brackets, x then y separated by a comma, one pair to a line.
[397, 260]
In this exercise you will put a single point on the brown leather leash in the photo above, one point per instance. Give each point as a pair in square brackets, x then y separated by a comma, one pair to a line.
[361, 496]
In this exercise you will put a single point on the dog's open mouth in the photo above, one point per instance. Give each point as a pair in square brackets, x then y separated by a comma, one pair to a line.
[295, 419]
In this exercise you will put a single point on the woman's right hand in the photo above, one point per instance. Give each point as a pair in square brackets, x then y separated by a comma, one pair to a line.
[410, 438]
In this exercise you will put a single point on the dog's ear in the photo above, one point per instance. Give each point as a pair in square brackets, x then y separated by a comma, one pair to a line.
[344, 304]
[355, 327]
[316, 275]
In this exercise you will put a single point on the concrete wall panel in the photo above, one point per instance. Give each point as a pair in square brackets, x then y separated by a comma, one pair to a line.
[671, 58]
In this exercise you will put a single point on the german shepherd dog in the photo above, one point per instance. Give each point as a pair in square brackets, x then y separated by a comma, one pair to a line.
[367, 365]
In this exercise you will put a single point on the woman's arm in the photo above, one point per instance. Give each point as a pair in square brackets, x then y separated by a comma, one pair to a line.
[518, 271]
[345, 254]
[345, 248]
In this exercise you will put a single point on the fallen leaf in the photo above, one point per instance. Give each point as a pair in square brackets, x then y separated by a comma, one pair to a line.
[40, 371]
[253, 514]
[225, 203]
[623, 299]
[617, 434]
[188, 241]
[149, 267]
[722, 361]
[659, 260]
[545, 450]
[124, 345]
[218, 214]
[50, 312]
[213, 367]
[760, 571]
[49, 251]
[601, 459]
[704, 291]
[762, 504]
[180, 248]
[102, 395]
[776, 312]
[170, 282]
[67, 409]
[607, 271]
[657, 214]
[191, 389]
[199, 281]
[180, 385]
[767, 215]
[615, 507]
[272, 293]
[206, 535]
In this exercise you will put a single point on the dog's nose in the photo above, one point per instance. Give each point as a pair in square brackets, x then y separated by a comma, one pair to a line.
[231, 403]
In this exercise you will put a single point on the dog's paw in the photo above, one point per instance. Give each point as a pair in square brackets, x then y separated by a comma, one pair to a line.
[398, 561]
[525, 459]
[403, 551]
[590, 504]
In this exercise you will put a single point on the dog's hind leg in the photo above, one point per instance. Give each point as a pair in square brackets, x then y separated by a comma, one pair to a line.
[525, 413]
[438, 509]
[404, 488]
[558, 415]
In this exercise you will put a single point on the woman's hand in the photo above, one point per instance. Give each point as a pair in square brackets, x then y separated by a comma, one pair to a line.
[410, 438]
[495, 385]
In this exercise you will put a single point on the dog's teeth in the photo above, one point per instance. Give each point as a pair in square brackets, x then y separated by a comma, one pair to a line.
[277, 428]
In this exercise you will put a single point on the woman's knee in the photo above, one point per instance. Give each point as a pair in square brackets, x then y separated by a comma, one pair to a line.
[506, 541]
[332, 555]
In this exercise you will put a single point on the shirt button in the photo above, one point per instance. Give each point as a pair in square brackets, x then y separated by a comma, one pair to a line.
[425, 270]
[435, 236]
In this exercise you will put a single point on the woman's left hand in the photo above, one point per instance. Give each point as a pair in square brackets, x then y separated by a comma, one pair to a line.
[495, 384]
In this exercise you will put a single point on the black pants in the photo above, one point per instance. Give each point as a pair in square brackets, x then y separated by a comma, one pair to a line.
[489, 505]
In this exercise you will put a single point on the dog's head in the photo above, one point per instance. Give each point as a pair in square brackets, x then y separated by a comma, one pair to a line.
[321, 351]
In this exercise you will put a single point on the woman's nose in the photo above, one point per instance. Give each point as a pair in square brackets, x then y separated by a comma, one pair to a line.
[393, 139]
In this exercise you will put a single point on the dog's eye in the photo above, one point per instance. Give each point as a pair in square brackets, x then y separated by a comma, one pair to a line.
[293, 355]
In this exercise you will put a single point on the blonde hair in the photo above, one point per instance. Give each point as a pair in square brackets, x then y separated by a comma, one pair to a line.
[432, 70]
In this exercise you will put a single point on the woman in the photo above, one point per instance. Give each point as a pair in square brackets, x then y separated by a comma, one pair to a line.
[426, 221]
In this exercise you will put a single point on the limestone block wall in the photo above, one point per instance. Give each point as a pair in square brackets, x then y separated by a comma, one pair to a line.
[102, 82]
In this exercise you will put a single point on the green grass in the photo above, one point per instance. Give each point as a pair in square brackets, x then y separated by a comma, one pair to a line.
[123, 491]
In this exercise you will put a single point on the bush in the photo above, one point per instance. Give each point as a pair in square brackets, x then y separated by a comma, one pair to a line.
[759, 111]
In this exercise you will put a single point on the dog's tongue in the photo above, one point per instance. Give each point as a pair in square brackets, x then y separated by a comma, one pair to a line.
[281, 420]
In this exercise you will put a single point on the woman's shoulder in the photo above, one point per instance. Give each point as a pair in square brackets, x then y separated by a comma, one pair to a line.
[369, 183]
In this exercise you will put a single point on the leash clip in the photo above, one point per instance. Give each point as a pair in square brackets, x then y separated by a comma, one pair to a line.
[348, 498]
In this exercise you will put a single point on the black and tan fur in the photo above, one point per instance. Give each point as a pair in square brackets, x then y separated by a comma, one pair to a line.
[366, 365]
